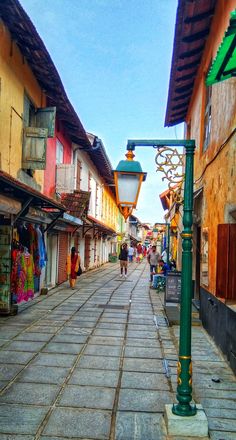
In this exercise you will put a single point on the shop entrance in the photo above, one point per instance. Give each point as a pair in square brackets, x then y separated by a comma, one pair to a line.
[52, 263]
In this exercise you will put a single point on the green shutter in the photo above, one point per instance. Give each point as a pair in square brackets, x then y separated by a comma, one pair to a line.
[34, 148]
[45, 118]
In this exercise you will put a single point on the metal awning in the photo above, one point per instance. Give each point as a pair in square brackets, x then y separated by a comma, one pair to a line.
[224, 64]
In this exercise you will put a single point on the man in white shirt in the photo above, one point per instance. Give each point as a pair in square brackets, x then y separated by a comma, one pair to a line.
[153, 258]
[131, 253]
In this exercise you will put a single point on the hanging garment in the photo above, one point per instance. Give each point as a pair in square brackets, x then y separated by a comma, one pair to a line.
[41, 247]
[29, 269]
[33, 249]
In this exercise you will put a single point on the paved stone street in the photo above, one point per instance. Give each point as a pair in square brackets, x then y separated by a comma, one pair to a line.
[99, 362]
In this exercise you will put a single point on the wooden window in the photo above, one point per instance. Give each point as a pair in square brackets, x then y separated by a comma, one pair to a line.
[207, 118]
[226, 262]
[39, 124]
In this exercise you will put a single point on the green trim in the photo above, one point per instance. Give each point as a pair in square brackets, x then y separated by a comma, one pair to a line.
[224, 64]
[129, 166]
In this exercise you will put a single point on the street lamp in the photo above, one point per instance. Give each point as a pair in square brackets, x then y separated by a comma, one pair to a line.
[184, 371]
[128, 179]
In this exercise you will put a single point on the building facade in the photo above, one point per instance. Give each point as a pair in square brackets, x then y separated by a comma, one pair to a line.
[208, 109]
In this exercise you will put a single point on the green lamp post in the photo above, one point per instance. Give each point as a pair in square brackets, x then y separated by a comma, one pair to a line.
[184, 387]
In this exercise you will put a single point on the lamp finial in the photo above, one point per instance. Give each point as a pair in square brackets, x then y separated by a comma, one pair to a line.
[130, 155]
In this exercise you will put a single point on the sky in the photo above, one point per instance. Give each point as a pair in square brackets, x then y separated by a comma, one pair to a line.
[114, 59]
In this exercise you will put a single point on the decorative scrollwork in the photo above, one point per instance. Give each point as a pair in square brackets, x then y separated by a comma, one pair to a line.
[170, 162]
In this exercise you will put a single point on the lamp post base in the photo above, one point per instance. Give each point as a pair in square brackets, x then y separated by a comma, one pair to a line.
[195, 426]
[184, 410]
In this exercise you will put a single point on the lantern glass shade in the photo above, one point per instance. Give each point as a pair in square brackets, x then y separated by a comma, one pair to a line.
[128, 186]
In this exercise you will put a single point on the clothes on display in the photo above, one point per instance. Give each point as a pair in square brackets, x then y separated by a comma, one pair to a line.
[28, 259]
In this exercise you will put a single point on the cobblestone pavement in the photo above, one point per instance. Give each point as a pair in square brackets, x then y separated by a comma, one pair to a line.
[93, 363]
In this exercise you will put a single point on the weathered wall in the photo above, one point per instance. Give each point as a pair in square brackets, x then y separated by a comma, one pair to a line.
[16, 78]
[215, 169]
[50, 170]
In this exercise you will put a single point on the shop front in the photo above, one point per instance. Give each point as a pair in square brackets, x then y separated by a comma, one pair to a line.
[25, 215]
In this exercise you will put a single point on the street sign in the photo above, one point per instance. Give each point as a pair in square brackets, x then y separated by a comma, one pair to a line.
[173, 287]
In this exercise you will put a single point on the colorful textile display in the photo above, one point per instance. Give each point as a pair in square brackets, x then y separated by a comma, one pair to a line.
[22, 275]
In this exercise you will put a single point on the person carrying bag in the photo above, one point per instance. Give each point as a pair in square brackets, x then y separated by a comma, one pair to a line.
[72, 266]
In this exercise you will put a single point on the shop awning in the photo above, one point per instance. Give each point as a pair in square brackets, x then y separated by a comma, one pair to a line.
[92, 223]
[224, 64]
[27, 196]
[76, 203]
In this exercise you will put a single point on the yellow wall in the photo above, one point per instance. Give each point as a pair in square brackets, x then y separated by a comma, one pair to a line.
[110, 210]
[16, 77]
[219, 177]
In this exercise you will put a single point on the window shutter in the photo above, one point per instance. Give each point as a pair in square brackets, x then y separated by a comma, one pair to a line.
[65, 178]
[226, 262]
[34, 148]
[45, 118]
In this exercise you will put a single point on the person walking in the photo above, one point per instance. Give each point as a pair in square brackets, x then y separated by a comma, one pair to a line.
[139, 255]
[153, 258]
[72, 266]
[131, 253]
[123, 257]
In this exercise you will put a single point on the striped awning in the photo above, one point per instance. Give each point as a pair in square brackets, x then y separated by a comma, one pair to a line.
[224, 64]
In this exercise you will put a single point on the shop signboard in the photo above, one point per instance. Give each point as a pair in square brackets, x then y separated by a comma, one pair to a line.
[173, 287]
[5, 268]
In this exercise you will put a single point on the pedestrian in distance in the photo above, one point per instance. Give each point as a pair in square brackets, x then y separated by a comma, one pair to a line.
[123, 257]
[153, 258]
[131, 253]
[139, 253]
[72, 266]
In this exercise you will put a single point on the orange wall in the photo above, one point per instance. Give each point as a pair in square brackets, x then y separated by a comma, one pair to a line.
[219, 178]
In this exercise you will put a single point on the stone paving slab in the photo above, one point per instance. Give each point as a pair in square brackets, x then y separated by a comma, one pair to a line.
[38, 337]
[15, 357]
[16, 437]
[142, 342]
[152, 381]
[222, 435]
[60, 347]
[20, 419]
[99, 362]
[106, 340]
[70, 339]
[101, 350]
[143, 426]
[88, 397]
[109, 332]
[222, 424]
[71, 423]
[145, 365]
[103, 378]
[143, 352]
[143, 400]
[42, 374]
[8, 371]
[30, 394]
[54, 360]
[33, 346]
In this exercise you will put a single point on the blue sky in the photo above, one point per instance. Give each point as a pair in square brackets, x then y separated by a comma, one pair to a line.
[114, 60]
